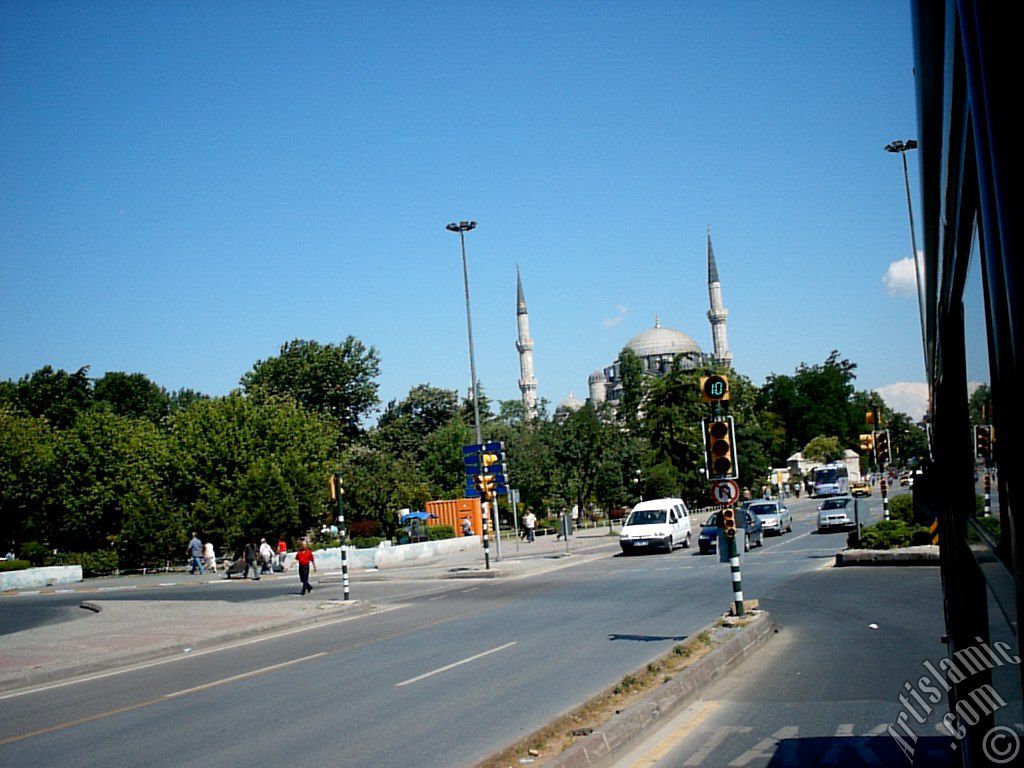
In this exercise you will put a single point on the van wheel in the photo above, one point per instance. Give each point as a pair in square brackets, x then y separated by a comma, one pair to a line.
[671, 545]
[686, 542]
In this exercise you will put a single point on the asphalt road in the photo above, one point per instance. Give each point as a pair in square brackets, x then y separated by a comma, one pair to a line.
[441, 674]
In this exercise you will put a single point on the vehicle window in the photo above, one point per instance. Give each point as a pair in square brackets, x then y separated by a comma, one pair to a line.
[646, 517]
[672, 516]
[835, 504]
[713, 520]
[763, 509]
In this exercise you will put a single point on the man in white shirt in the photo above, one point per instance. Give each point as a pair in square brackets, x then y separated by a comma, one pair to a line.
[530, 524]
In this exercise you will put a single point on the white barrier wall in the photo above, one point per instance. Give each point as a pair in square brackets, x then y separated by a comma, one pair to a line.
[387, 555]
[31, 578]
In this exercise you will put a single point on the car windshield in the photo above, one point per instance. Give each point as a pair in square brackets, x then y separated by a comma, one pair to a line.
[764, 509]
[647, 517]
[835, 504]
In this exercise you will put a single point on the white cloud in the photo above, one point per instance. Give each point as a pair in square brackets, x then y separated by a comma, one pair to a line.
[899, 277]
[909, 397]
[611, 322]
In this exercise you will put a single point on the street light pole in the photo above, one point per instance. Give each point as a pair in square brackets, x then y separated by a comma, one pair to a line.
[901, 148]
[462, 228]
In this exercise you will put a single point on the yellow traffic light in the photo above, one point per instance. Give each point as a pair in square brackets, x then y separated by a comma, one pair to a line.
[488, 459]
[867, 442]
[720, 448]
[729, 522]
[882, 447]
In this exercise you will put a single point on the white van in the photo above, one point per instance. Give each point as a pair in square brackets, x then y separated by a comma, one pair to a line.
[659, 523]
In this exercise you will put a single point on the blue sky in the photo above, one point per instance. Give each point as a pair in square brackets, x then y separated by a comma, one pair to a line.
[189, 185]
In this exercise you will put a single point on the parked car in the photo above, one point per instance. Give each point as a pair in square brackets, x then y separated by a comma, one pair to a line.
[656, 524]
[774, 516]
[707, 541]
[836, 512]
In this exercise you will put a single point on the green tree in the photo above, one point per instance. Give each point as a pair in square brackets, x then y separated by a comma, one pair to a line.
[979, 401]
[27, 473]
[634, 387]
[578, 454]
[245, 468]
[111, 468]
[56, 395]
[132, 394]
[338, 381]
[405, 425]
[823, 449]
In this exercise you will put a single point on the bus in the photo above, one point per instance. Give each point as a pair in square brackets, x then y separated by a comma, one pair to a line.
[831, 480]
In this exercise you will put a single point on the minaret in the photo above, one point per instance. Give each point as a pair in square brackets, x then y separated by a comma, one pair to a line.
[524, 344]
[717, 314]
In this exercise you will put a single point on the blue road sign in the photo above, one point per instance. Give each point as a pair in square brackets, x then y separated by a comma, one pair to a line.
[495, 447]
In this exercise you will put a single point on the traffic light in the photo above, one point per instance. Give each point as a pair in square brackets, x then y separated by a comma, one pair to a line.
[489, 459]
[729, 522]
[714, 388]
[720, 448]
[983, 442]
[882, 447]
[867, 443]
[485, 484]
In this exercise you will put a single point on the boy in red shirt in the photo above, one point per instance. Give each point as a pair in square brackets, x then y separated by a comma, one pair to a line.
[304, 557]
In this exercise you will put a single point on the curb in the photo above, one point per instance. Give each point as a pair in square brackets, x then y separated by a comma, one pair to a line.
[14, 682]
[619, 734]
[926, 555]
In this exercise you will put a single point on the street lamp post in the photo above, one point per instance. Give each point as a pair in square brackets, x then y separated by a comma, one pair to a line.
[901, 148]
[462, 228]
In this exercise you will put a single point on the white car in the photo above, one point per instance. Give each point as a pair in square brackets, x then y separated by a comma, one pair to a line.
[836, 512]
[656, 524]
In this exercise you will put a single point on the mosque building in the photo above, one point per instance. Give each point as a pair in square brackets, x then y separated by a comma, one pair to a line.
[658, 348]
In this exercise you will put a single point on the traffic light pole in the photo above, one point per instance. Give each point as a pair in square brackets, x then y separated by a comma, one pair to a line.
[485, 508]
[339, 491]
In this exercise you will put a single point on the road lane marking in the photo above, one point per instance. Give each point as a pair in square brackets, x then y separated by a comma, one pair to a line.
[244, 675]
[761, 748]
[712, 744]
[193, 655]
[453, 665]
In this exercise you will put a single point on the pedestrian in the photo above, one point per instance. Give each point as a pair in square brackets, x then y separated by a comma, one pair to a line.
[282, 551]
[266, 556]
[530, 524]
[252, 557]
[210, 556]
[467, 527]
[195, 552]
[304, 557]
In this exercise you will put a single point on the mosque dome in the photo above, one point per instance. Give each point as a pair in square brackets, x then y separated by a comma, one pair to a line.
[571, 403]
[658, 341]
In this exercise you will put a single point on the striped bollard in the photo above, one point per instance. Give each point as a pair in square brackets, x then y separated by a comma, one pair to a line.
[734, 570]
[988, 494]
[885, 500]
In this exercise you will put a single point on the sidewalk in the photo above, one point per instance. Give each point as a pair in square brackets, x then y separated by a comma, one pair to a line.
[123, 632]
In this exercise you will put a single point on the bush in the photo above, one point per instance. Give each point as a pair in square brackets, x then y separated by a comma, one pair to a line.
[890, 534]
[35, 553]
[97, 563]
[902, 508]
[437, 532]
[14, 565]
[365, 542]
